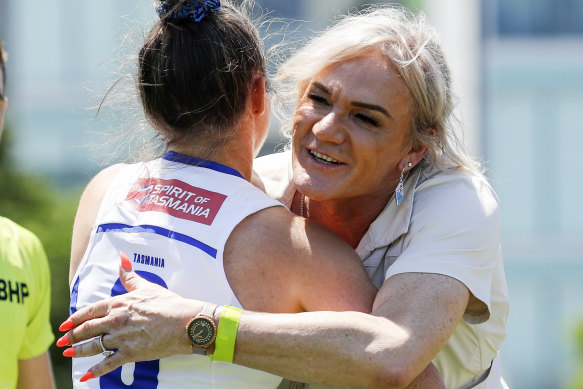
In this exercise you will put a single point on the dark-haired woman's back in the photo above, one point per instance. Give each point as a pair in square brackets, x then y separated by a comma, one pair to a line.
[173, 217]
[192, 222]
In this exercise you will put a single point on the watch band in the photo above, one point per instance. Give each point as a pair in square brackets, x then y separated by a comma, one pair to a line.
[208, 310]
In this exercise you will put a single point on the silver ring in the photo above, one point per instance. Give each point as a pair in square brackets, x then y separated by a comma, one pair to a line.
[104, 351]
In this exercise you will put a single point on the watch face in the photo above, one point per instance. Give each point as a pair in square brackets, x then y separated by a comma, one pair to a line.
[201, 331]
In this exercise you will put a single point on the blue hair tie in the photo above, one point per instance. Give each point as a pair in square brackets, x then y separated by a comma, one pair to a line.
[191, 10]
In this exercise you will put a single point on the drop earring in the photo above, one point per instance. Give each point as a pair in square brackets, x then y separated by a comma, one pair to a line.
[399, 189]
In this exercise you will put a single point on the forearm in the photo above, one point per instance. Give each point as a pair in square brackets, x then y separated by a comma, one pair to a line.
[388, 348]
[334, 348]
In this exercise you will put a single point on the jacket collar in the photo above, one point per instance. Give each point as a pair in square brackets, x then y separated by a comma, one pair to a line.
[393, 221]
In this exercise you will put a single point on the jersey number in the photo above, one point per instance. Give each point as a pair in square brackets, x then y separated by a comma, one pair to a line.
[145, 375]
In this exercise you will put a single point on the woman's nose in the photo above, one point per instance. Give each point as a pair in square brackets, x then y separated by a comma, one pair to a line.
[330, 128]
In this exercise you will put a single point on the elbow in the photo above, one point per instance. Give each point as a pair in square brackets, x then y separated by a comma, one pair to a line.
[394, 377]
[395, 361]
[398, 375]
[404, 375]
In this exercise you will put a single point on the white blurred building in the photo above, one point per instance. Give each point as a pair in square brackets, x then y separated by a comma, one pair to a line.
[533, 98]
[521, 64]
[60, 56]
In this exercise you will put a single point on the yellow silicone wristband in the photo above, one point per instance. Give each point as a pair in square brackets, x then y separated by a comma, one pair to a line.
[227, 334]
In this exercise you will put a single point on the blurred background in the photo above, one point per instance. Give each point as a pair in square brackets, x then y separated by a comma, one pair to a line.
[518, 69]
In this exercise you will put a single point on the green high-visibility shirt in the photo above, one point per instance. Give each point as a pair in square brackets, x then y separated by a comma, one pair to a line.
[25, 300]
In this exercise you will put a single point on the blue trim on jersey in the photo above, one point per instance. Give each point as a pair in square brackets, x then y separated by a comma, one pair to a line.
[186, 159]
[159, 231]
[74, 296]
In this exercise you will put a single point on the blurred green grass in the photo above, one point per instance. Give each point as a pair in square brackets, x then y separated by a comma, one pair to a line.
[46, 210]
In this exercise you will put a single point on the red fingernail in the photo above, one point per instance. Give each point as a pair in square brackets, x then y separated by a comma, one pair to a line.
[125, 261]
[86, 377]
[63, 341]
[70, 352]
[66, 326]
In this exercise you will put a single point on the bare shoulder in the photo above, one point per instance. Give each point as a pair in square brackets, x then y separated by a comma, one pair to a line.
[87, 213]
[276, 261]
[98, 186]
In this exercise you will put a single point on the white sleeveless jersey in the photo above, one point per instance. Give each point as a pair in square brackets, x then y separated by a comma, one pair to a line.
[172, 217]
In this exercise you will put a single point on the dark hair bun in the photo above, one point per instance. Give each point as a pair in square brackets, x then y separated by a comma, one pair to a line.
[187, 10]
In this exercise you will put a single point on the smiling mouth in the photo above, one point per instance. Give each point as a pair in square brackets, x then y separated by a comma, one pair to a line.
[323, 158]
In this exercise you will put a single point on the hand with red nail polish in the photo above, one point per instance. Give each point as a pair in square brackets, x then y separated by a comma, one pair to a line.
[63, 341]
[166, 311]
[125, 261]
[66, 326]
[87, 377]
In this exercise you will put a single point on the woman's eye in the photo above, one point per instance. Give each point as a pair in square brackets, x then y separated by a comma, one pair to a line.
[317, 98]
[367, 119]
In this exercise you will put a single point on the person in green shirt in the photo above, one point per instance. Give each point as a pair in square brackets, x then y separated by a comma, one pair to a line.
[25, 293]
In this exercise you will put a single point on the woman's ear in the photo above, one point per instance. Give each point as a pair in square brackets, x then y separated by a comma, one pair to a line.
[416, 154]
[413, 158]
[259, 110]
[257, 97]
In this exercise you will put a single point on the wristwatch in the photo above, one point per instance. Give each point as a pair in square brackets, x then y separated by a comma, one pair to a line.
[202, 330]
